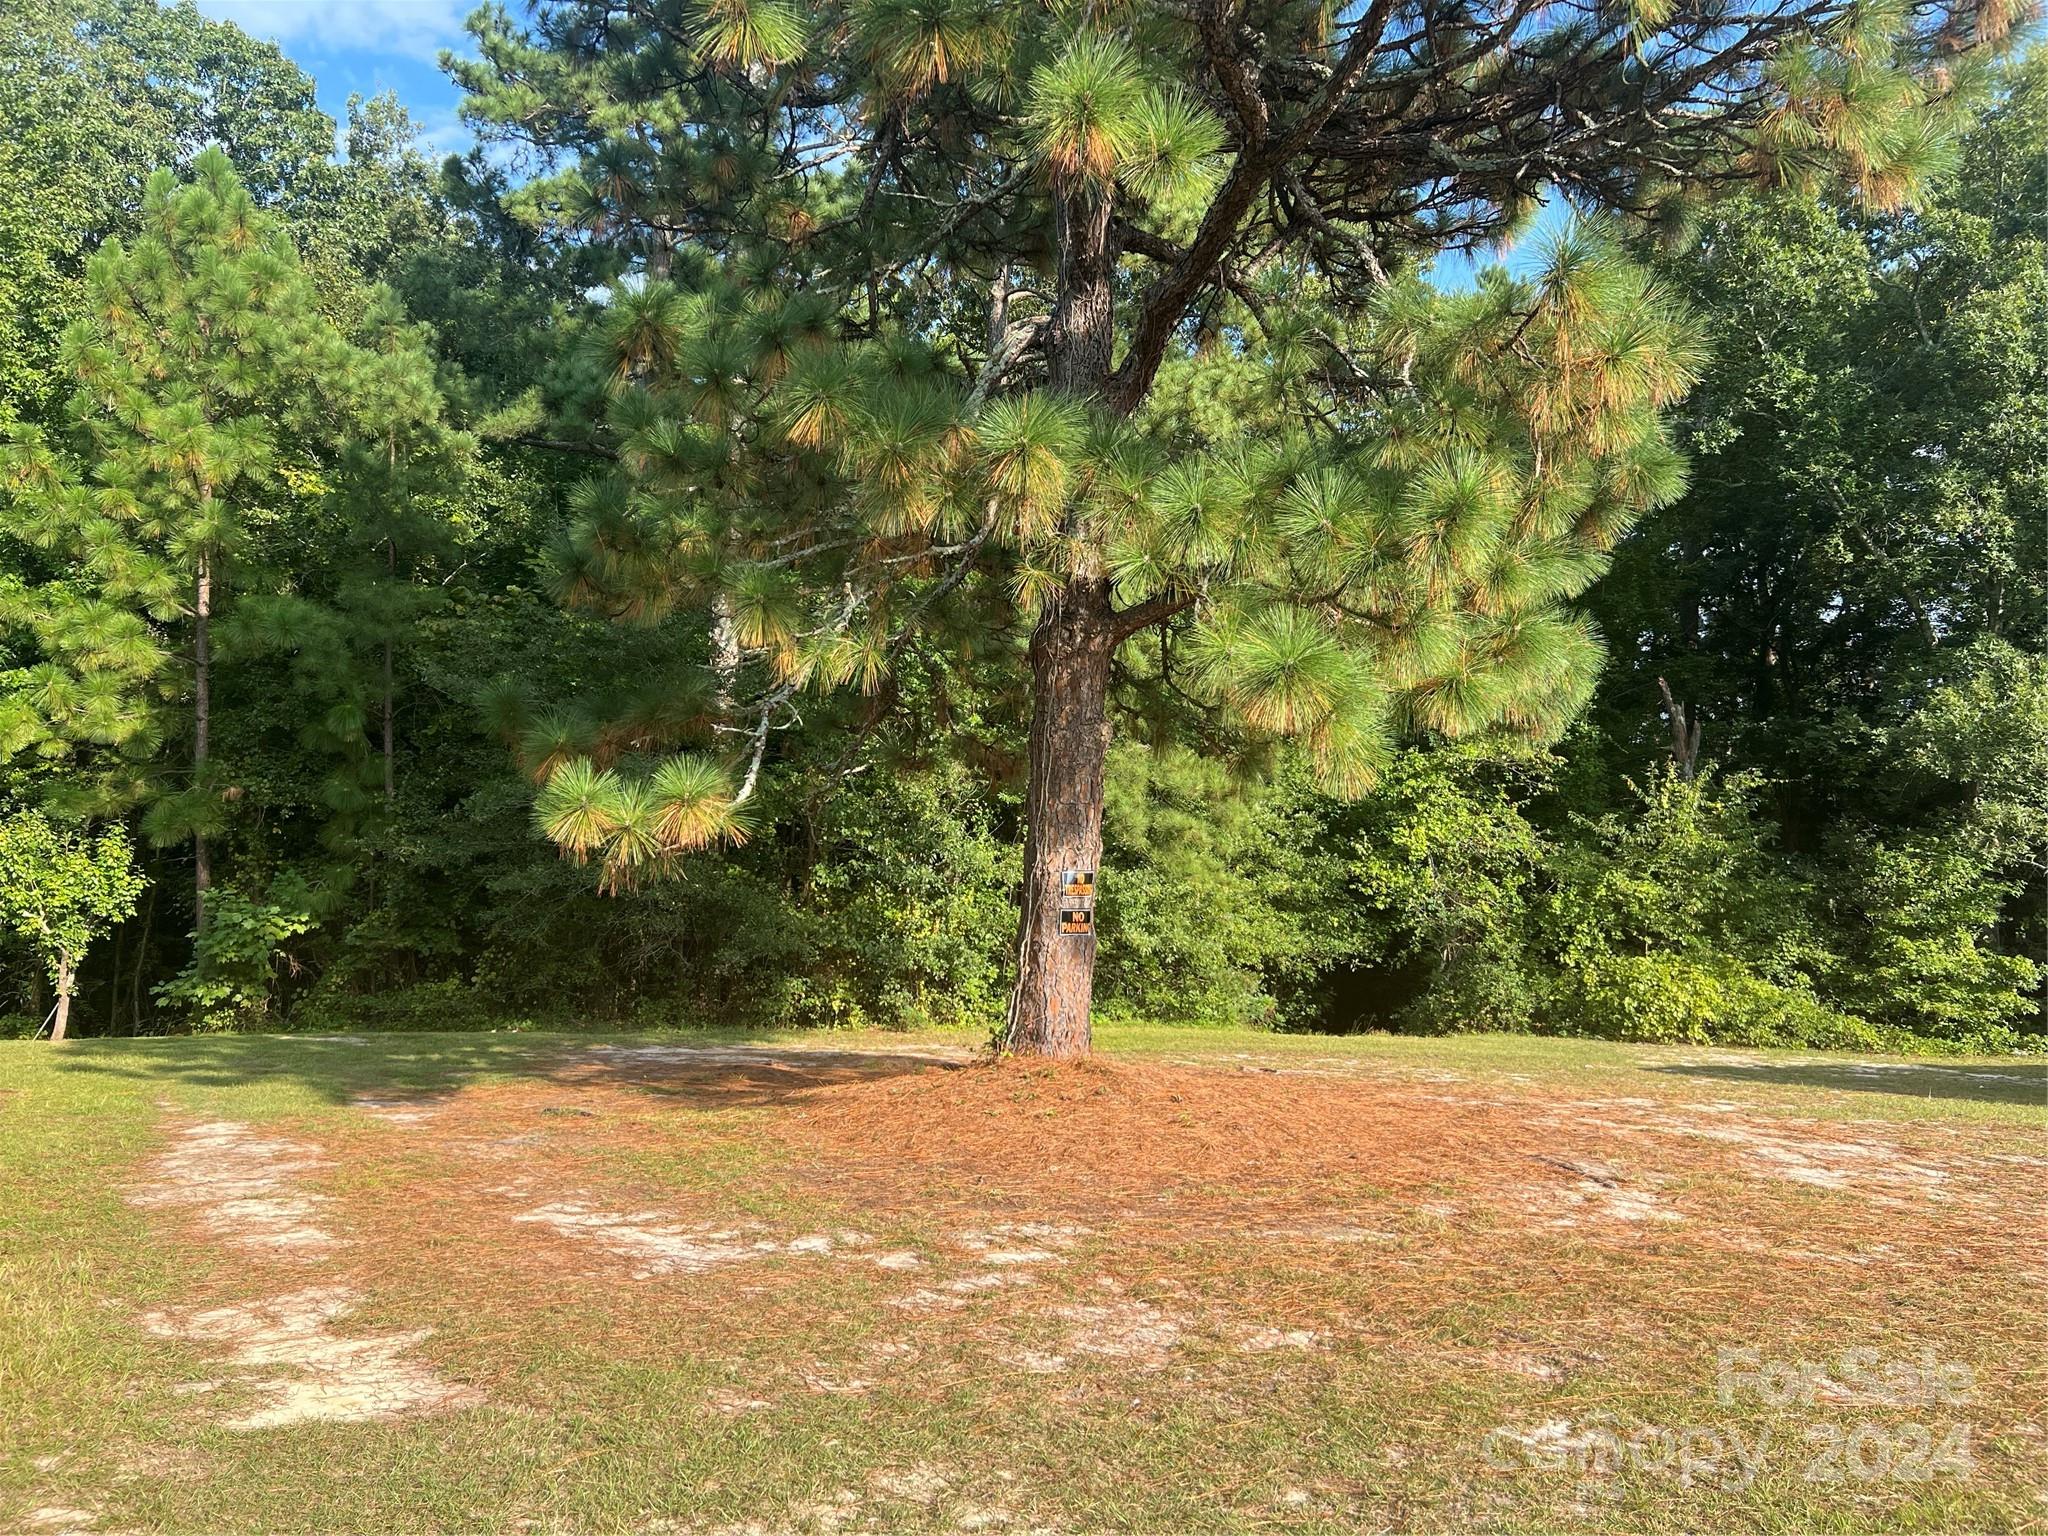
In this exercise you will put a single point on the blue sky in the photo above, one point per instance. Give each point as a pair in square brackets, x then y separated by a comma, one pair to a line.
[366, 46]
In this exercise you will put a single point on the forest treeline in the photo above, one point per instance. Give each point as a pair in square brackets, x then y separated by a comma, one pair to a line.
[315, 602]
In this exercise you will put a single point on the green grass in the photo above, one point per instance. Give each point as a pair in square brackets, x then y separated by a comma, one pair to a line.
[601, 1394]
[1824, 1084]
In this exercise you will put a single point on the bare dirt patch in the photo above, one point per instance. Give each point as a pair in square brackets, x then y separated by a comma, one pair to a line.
[1258, 1340]
[1599, 1192]
[243, 1189]
[241, 1186]
[289, 1351]
[1123, 1329]
[58, 1519]
[920, 1484]
[1021, 1242]
[1867, 1162]
[657, 1244]
[398, 1111]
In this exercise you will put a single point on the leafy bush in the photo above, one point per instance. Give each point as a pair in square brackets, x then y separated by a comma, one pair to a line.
[1920, 958]
[907, 908]
[1190, 927]
[1940, 890]
[1445, 859]
[1689, 870]
[1670, 999]
[228, 984]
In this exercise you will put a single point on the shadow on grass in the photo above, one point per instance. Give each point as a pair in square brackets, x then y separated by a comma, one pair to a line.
[2017, 1084]
[391, 1069]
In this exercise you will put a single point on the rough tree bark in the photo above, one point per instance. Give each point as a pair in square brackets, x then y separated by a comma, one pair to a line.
[725, 652]
[1685, 733]
[1070, 657]
[1082, 333]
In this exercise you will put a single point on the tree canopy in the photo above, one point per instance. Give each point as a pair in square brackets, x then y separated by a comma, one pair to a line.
[904, 497]
[899, 282]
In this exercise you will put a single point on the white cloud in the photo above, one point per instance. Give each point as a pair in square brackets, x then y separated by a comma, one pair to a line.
[419, 29]
[443, 132]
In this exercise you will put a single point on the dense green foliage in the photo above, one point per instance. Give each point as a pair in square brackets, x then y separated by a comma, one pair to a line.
[895, 290]
[372, 404]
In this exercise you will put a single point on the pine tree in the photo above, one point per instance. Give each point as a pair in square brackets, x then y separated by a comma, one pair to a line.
[389, 480]
[897, 282]
[214, 403]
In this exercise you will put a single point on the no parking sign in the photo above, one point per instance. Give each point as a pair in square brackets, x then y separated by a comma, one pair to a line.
[1077, 903]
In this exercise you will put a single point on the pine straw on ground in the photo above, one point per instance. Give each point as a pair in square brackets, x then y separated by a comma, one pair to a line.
[1196, 1151]
[1329, 1194]
[1566, 1255]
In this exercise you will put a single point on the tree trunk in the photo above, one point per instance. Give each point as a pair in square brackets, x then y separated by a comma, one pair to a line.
[1685, 733]
[390, 772]
[142, 948]
[202, 713]
[390, 754]
[66, 980]
[1070, 656]
[114, 980]
[1082, 333]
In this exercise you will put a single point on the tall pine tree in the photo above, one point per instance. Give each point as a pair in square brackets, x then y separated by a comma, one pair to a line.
[216, 409]
[899, 278]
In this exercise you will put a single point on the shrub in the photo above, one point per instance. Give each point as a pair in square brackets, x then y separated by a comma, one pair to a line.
[907, 907]
[228, 984]
[1690, 871]
[1925, 910]
[1190, 928]
[1671, 999]
[448, 1004]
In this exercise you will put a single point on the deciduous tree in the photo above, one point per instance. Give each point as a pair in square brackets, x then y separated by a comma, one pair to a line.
[61, 888]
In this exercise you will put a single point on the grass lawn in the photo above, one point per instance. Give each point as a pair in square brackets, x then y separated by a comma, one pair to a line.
[1211, 1281]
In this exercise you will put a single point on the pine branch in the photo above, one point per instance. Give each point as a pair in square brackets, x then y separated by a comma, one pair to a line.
[1155, 610]
[564, 445]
